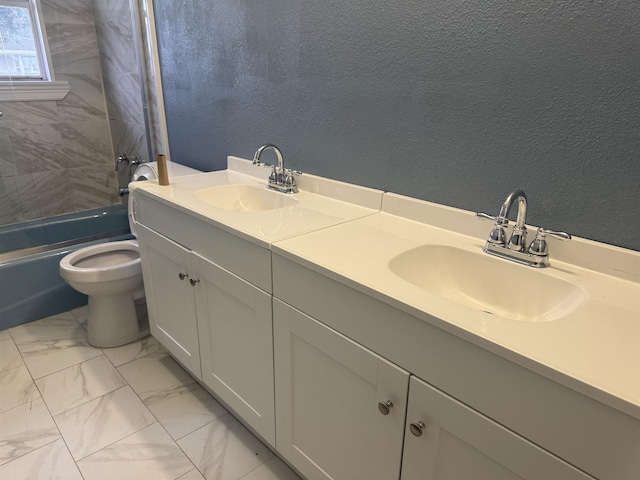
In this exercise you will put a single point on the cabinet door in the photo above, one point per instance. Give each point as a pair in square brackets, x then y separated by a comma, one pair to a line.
[170, 296]
[236, 344]
[457, 443]
[328, 389]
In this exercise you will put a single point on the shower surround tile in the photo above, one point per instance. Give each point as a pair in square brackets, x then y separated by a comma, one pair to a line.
[28, 198]
[54, 193]
[79, 384]
[68, 11]
[103, 421]
[74, 48]
[34, 113]
[50, 461]
[225, 449]
[93, 186]
[114, 30]
[24, 429]
[149, 453]
[17, 388]
[85, 100]
[11, 211]
[53, 344]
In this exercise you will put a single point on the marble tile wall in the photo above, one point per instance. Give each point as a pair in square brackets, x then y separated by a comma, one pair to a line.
[56, 156]
[122, 77]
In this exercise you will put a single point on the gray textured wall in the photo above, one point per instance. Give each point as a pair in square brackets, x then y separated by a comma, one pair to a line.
[451, 101]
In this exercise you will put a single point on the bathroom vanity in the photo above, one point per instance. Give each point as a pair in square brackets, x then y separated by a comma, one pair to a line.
[367, 336]
[205, 247]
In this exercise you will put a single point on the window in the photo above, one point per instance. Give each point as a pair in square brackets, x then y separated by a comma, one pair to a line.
[24, 60]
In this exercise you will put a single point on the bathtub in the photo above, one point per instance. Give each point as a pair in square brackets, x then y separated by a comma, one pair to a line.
[30, 285]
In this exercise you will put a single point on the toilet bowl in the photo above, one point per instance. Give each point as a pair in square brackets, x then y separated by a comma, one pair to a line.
[111, 275]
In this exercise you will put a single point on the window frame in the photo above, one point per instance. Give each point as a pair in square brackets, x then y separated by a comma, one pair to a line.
[42, 88]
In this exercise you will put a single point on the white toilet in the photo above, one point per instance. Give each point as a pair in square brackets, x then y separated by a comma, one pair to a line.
[111, 275]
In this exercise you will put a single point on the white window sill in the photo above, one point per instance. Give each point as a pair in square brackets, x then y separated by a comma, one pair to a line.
[32, 91]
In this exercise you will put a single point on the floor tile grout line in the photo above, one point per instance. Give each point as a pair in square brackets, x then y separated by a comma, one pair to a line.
[161, 426]
[66, 445]
[90, 399]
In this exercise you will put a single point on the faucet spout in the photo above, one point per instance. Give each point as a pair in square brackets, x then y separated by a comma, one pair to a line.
[269, 146]
[518, 238]
[522, 207]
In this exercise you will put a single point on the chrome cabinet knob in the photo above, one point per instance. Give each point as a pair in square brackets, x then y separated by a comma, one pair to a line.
[182, 276]
[193, 281]
[417, 428]
[385, 407]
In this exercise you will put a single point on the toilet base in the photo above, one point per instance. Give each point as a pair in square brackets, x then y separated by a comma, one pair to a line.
[113, 321]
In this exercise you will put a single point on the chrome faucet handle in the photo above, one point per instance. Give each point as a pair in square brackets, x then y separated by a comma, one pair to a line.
[289, 180]
[539, 246]
[273, 176]
[121, 158]
[135, 160]
[503, 221]
[498, 235]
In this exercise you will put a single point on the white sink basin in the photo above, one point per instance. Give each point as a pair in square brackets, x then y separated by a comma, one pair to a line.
[486, 283]
[244, 198]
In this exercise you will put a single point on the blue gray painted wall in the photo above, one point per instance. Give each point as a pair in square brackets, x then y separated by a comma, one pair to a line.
[450, 101]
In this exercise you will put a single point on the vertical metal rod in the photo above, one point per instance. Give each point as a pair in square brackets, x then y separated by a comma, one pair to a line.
[137, 45]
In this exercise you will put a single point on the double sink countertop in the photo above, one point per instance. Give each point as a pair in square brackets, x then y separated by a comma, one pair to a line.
[576, 322]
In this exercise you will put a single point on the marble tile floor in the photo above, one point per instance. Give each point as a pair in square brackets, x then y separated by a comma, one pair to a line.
[72, 411]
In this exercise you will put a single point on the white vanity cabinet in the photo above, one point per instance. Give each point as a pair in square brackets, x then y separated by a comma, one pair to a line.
[446, 440]
[340, 408]
[167, 273]
[236, 344]
[481, 411]
[218, 325]
[340, 411]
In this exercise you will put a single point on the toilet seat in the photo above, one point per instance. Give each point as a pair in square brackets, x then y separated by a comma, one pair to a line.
[111, 261]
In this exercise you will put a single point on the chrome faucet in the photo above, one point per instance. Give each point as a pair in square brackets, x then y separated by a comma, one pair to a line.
[537, 255]
[280, 179]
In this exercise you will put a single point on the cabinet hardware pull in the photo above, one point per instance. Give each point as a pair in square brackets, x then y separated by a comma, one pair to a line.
[417, 428]
[385, 407]
[193, 281]
[183, 275]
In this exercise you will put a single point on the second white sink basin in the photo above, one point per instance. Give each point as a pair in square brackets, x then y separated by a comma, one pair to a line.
[244, 198]
[487, 283]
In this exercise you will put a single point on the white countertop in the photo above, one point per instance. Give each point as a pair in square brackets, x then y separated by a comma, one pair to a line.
[319, 203]
[595, 349]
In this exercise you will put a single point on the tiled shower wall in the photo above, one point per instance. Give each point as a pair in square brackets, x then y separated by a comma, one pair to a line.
[58, 156]
[121, 75]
